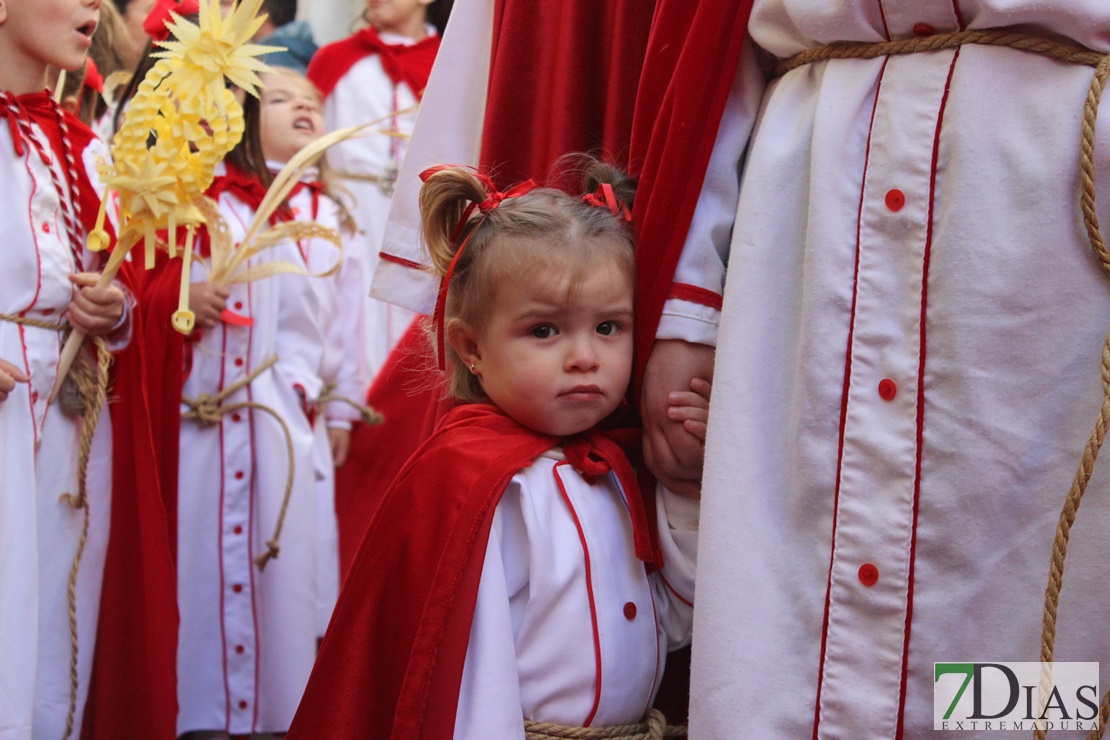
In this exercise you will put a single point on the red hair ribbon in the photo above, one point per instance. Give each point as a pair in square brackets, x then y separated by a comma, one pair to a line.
[157, 21]
[93, 79]
[604, 197]
[492, 200]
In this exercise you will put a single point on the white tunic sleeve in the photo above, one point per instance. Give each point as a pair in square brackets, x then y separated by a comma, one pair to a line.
[677, 518]
[705, 254]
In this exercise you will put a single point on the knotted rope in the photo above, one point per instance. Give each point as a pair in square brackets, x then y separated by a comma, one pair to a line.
[92, 388]
[1071, 54]
[210, 410]
[654, 727]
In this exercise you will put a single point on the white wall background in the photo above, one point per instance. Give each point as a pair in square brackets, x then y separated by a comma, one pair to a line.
[330, 19]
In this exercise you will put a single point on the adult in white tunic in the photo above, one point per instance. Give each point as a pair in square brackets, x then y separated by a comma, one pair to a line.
[247, 637]
[39, 531]
[568, 626]
[907, 369]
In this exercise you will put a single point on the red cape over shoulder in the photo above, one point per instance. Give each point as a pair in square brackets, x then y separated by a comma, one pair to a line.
[408, 64]
[391, 663]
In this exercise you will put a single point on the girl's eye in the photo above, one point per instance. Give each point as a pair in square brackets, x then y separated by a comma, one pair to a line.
[543, 331]
[605, 328]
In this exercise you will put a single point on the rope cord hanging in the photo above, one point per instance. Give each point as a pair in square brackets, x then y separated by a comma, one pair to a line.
[654, 727]
[209, 409]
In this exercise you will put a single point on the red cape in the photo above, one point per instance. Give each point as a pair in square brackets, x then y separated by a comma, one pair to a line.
[133, 689]
[391, 663]
[405, 64]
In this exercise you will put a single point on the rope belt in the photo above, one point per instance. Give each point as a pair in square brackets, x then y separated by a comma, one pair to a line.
[210, 410]
[654, 727]
[367, 414]
[1071, 54]
[92, 388]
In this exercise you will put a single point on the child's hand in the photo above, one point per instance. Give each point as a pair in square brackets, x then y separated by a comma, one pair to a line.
[94, 311]
[340, 441]
[692, 407]
[672, 453]
[207, 301]
[9, 376]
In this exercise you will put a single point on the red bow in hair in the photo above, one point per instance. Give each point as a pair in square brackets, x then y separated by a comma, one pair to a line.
[93, 79]
[604, 197]
[161, 15]
[492, 200]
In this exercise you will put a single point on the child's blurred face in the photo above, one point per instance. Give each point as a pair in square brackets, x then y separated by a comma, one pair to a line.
[397, 16]
[39, 33]
[557, 357]
[291, 115]
[133, 16]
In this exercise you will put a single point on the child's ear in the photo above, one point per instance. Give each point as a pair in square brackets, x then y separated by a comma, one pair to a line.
[464, 340]
[3, 10]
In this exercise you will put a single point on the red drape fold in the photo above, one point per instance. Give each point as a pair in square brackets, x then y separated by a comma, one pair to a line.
[688, 70]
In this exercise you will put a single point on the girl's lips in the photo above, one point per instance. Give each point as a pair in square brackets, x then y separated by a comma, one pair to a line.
[582, 393]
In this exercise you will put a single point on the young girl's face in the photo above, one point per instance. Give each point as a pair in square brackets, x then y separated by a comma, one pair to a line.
[291, 115]
[557, 357]
[35, 34]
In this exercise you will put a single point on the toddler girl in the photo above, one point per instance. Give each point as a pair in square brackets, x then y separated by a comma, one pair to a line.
[511, 574]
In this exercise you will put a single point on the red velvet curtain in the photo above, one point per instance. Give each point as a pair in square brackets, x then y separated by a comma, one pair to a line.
[563, 78]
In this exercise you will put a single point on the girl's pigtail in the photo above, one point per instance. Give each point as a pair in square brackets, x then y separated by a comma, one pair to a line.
[597, 173]
[444, 198]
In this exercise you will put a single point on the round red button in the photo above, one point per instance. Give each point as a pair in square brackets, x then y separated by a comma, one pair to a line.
[238, 362]
[47, 311]
[239, 475]
[868, 574]
[45, 227]
[236, 417]
[923, 29]
[630, 611]
[240, 649]
[238, 530]
[242, 704]
[238, 305]
[887, 389]
[895, 199]
[237, 588]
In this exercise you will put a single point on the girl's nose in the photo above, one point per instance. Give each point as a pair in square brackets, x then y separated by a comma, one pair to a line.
[581, 356]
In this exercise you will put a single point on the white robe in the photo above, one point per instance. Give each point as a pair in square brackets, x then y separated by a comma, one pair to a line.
[364, 94]
[38, 463]
[904, 380]
[343, 366]
[248, 637]
[568, 627]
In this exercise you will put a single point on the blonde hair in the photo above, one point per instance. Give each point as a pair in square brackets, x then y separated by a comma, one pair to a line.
[539, 230]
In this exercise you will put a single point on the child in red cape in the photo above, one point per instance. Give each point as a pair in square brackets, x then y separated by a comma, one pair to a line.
[511, 575]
